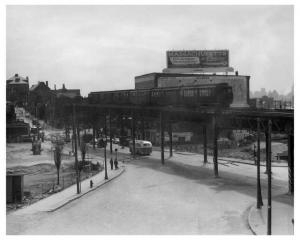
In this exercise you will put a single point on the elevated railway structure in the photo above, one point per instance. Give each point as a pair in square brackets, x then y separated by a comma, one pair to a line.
[220, 117]
[257, 120]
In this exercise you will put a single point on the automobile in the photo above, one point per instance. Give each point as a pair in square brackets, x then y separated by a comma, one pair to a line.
[124, 141]
[34, 130]
[101, 142]
[87, 138]
[35, 122]
[142, 147]
[116, 140]
[26, 138]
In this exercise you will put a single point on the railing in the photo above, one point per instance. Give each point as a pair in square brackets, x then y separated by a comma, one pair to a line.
[275, 104]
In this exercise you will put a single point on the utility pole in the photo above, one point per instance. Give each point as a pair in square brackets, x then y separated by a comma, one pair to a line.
[94, 136]
[162, 138]
[215, 127]
[105, 133]
[204, 144]
[269, 179]
[75, 148]
[259, 201]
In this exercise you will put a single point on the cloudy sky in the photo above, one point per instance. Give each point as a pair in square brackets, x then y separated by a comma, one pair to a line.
[103, 47]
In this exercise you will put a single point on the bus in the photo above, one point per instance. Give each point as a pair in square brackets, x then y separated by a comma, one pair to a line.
[142, 147]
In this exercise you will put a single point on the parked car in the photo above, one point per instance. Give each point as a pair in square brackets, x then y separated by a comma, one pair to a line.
[116, 140]
[35, 122]
[124, 141]
[101, 143]
[142, 147]
[34, 130]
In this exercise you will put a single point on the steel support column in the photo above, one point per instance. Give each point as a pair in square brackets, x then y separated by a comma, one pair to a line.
[105, 160]
[78, 134]
[94, 136]
[215, 127]
[291, 162]
[267, 151]
[110, 135]
[143, 128]
[122, 130]
[269, 232]
[162, 138]
[259, 201]
[204, 144]
[171, 139]
[133, 120]
[73, 135]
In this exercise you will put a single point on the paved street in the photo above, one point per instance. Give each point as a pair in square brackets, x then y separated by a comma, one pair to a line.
[178, 198]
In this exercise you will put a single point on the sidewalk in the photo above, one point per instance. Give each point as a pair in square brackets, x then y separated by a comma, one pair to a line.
[68, 195]
[282, 215]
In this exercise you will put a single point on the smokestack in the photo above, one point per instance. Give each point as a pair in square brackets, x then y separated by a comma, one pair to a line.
[236, 73]
[63, 86]
[47, 83]
[16, 75]
[54, 86]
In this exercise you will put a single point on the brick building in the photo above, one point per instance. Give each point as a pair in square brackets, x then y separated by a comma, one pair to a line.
[17, 89]
[40, 99]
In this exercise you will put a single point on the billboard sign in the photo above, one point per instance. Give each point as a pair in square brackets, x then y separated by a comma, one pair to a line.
[198, 59]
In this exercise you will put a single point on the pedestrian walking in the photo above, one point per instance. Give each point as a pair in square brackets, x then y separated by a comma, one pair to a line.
[111, 164]
[116, 164]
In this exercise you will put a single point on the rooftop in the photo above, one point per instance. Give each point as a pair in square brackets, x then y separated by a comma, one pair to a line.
[16, 79]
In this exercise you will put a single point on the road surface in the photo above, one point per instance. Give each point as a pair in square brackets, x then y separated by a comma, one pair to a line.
[149, 198]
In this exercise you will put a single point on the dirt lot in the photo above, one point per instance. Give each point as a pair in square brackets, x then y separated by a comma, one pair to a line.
[40, 179]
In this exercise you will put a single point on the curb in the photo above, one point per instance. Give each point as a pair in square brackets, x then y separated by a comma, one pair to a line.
[90, 190]
[249, 221]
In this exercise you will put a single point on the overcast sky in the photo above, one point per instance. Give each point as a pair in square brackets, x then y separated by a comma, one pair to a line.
[98, 48]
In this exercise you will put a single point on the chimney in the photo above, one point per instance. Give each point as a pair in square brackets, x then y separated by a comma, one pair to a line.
[54, 86]
[236, 73]
[16, 75]
[63, 86]
[47, 83]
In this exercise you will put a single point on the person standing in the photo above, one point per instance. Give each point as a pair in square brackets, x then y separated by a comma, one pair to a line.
[111, 164]
[116, 159]
[83, 149]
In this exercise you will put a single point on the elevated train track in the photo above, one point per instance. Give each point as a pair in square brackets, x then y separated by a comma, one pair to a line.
[170, 105]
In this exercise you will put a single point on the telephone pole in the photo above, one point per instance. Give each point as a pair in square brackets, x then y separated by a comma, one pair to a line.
[75, 148]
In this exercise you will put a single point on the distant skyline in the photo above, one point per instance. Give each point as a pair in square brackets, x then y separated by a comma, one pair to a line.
[98, 48]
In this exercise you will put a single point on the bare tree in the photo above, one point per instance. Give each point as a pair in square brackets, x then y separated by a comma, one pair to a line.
[83, 149]
[58, 147]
